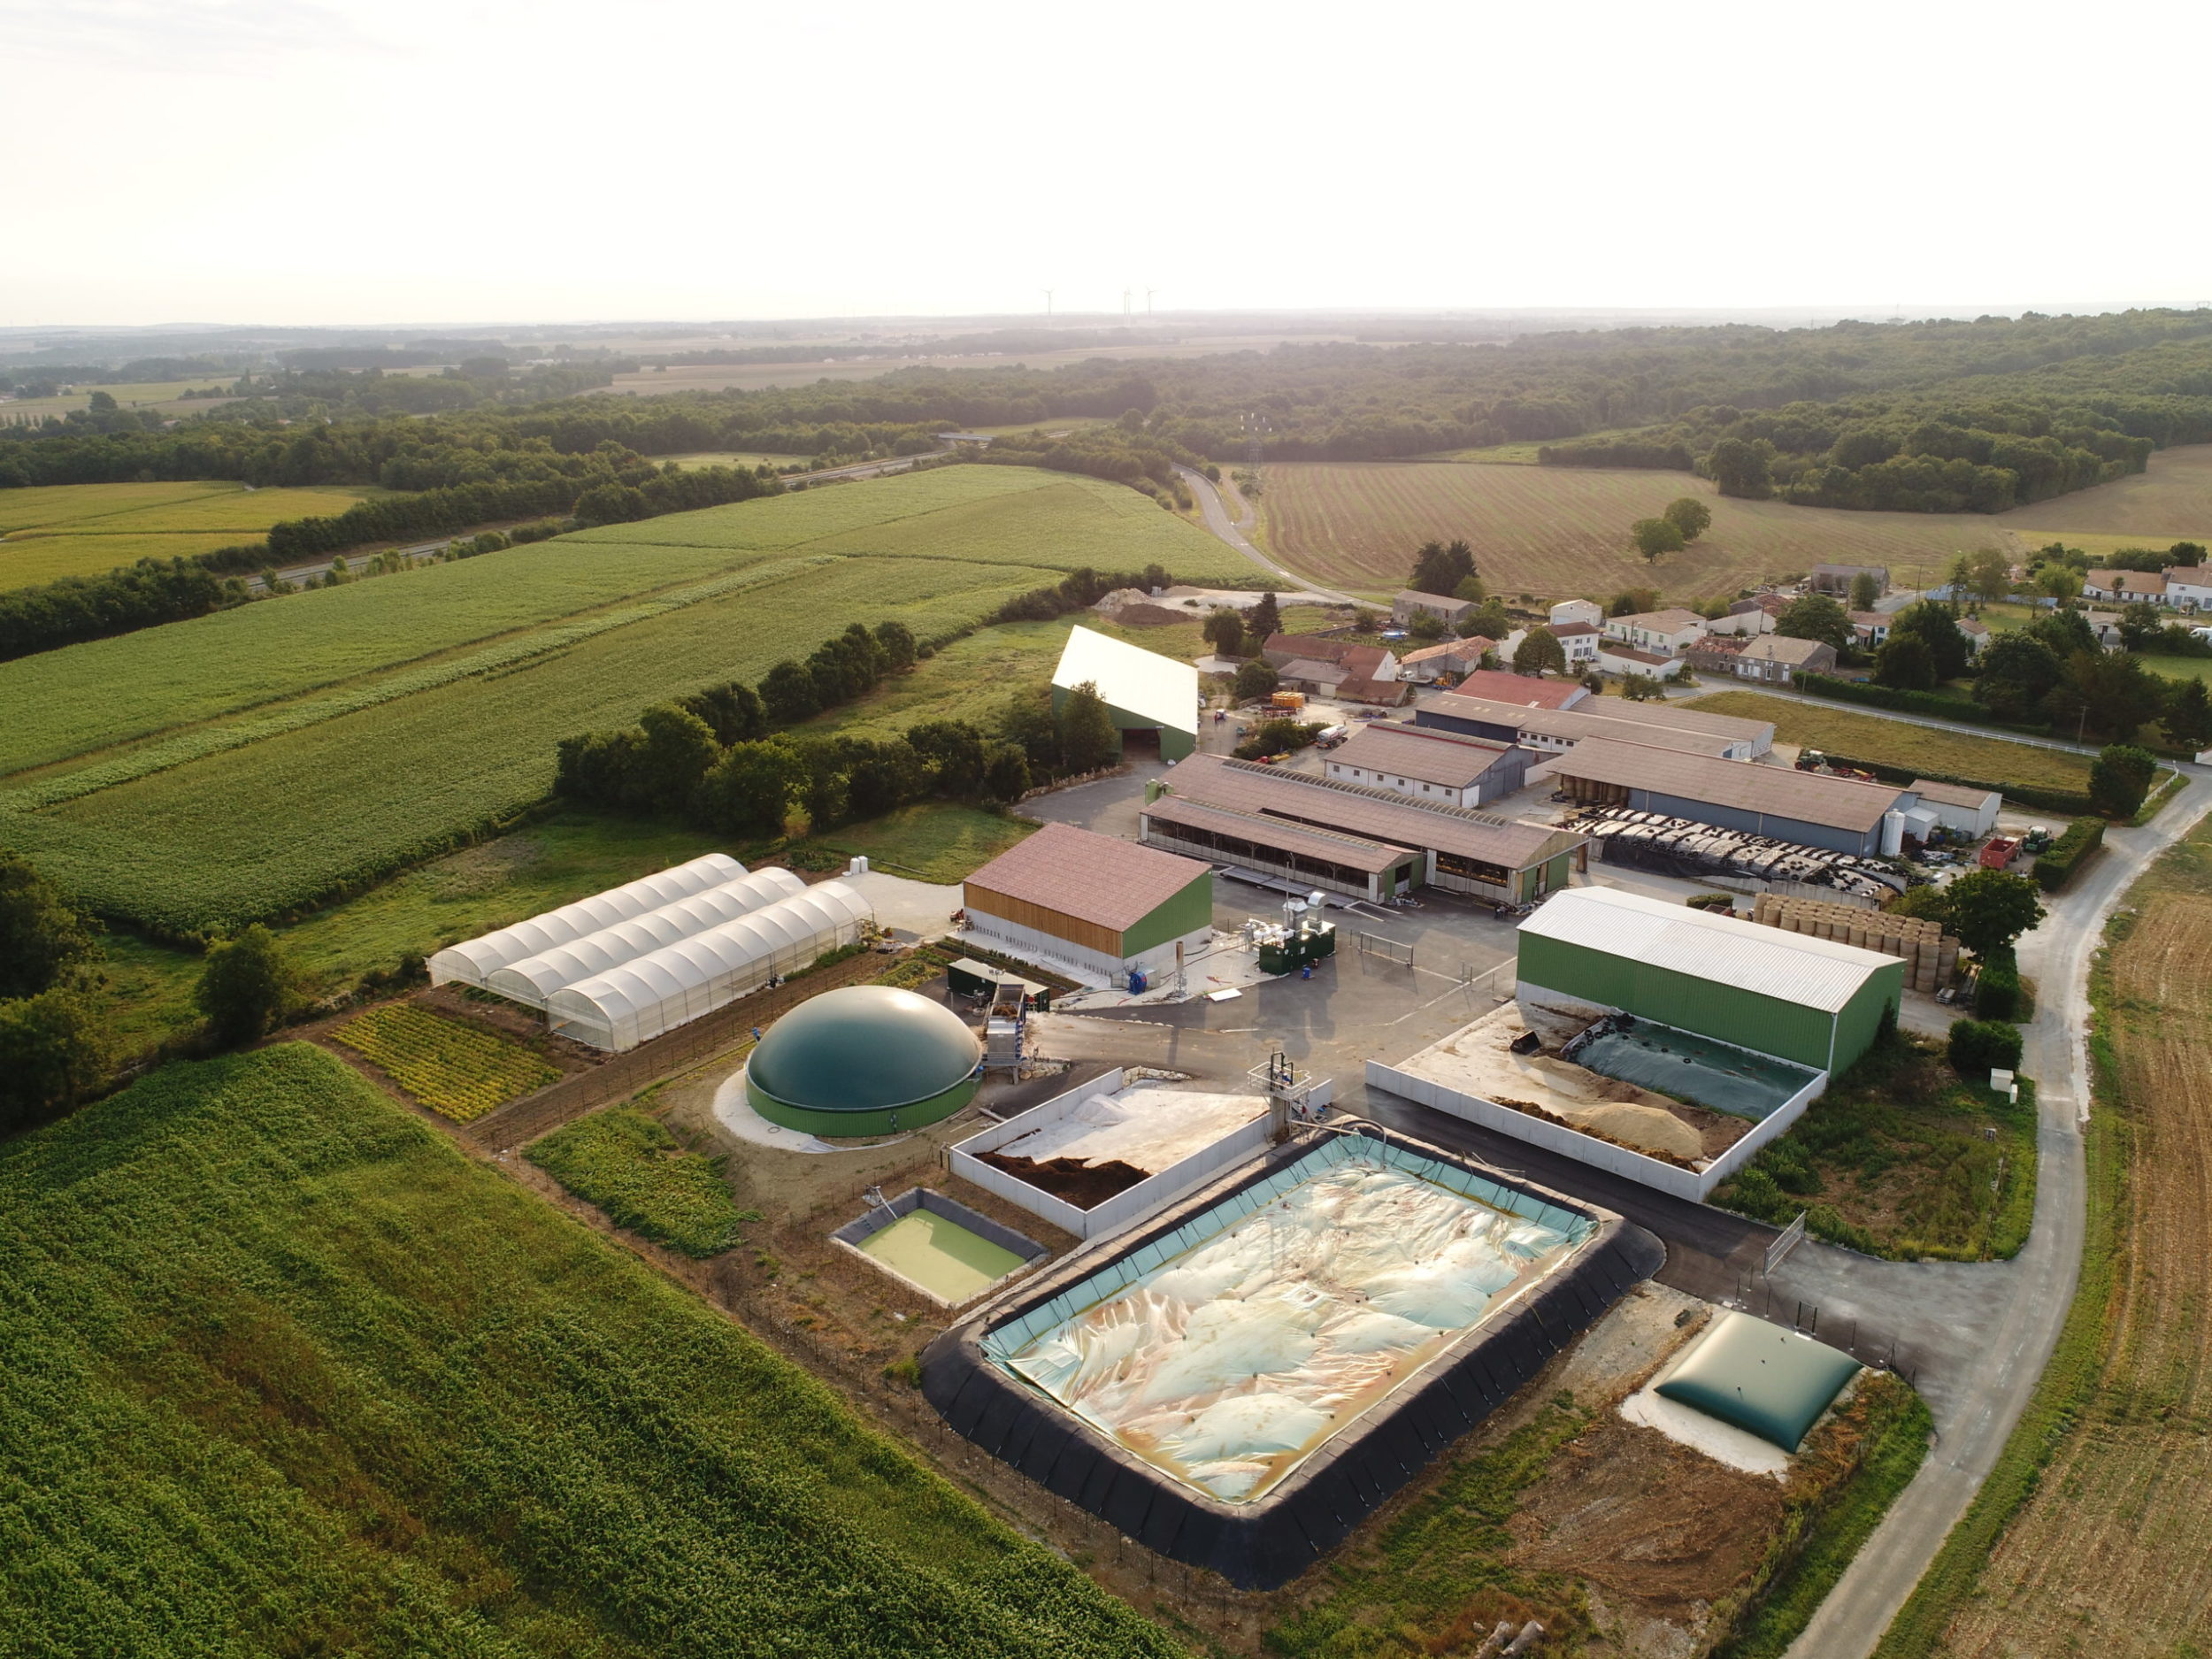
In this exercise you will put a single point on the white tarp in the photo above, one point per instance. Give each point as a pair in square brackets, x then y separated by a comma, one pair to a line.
[661, 990]
[1226, 1365]
[1147, 1126]
[473, 960]
[534, 979]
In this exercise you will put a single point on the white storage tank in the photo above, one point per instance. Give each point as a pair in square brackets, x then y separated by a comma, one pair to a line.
[1893, 834]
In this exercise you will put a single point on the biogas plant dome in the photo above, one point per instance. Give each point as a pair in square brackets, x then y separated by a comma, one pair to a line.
[864, 1060]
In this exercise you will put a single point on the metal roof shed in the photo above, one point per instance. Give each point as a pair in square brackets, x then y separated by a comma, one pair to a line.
[1800, 998]
[1142, 690]
[1096, 901]
[475, 960]
[1839, 814]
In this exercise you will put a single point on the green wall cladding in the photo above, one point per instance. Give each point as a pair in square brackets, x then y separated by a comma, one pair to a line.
[1767, 1024]
[1187, 912]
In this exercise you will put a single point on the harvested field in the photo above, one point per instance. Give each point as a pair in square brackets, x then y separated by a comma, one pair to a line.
[1559, 532]
[2108, 1554]
[60, 530]
[1863, 736]
[2171, 501]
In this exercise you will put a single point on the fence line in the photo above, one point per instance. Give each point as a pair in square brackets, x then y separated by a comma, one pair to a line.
[1791, 1237]
[1390, 950]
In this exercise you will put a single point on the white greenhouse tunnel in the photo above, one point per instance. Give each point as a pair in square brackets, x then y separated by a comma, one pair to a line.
[639, 1000]
[534, 979]
[475, 960]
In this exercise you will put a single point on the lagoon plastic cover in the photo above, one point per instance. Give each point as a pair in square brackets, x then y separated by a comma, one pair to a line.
[1767, 1381]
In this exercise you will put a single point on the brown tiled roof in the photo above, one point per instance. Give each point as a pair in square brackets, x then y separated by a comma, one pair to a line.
[1372, 814]
[1629, 653]
[1310, 646]
[1572, 630]
[1746, 786]
[1717, 645]
[1355, 689]
[1443, 603]
[1098, 878]
[1501, 686]
[1421, 753]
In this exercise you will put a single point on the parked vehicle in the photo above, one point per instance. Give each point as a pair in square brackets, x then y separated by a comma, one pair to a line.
[1999, 852]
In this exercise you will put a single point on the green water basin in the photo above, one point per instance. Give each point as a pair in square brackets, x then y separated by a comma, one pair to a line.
[940, 1255]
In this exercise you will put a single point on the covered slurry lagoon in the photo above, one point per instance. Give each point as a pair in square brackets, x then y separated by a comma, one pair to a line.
[1239, 1383]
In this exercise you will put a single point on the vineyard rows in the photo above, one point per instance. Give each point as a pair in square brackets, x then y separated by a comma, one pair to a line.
[459, 1072]
[281, 1371]
[1560, 532]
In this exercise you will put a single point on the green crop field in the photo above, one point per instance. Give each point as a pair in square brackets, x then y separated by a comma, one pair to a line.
[1560, 532]
[282, 1372]
[89, 529]
[459, 1072]
[163, 396]
[2170, 502]
[300, 747]
[1859, 735]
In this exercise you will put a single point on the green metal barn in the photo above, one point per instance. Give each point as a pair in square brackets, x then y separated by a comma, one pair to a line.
[1811, 1000]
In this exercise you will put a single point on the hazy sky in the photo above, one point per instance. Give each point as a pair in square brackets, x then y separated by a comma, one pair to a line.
[412, 162]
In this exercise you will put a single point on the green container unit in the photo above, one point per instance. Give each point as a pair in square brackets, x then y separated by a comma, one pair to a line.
[1750, 1020]
[1312, 942]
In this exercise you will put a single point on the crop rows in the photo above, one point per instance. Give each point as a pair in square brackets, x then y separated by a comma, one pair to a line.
[282, 1372]
[88, 529]
[1008, 515]
[459, 1072]
[202, 742]
[105, 692]
[274, 828]
[628, 1164]
[1557, 532]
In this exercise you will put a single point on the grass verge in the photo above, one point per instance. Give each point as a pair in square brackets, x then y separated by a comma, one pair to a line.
[2071, 1378]
[627, 1163]
[1895, 1429]
[1892, 742]
[1897, 1161]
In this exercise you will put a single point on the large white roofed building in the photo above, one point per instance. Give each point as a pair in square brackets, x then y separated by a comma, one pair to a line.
[1143, 691]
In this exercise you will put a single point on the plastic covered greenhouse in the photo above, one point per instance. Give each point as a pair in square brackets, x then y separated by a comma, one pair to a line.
[534, 979]
[473, 960]
[657, 992]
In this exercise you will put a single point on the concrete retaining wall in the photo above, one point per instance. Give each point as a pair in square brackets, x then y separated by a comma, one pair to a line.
[1696, 1184]
[1124, 1208]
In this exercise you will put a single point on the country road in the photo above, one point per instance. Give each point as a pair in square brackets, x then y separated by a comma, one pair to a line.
[1217, 521]
[2011, 1359]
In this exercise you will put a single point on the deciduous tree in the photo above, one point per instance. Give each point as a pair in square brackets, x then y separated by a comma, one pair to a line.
[1816, 617]
[247, 987]
[1689, 515]
[1224, 632]
[1989, 908]
[1654, 537]
[43, 936]
[2120, 778]
[1540, 651]
[1087, 738]
[1741, 467]
[749, 791]
[1866, 591]
[1904, 663]
[1255, 679]
[2188, 717]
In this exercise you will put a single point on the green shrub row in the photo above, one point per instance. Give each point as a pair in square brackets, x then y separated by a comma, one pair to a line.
[1928, 702]
[1980, 1046]
[2056, 864]
[1997, 994]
